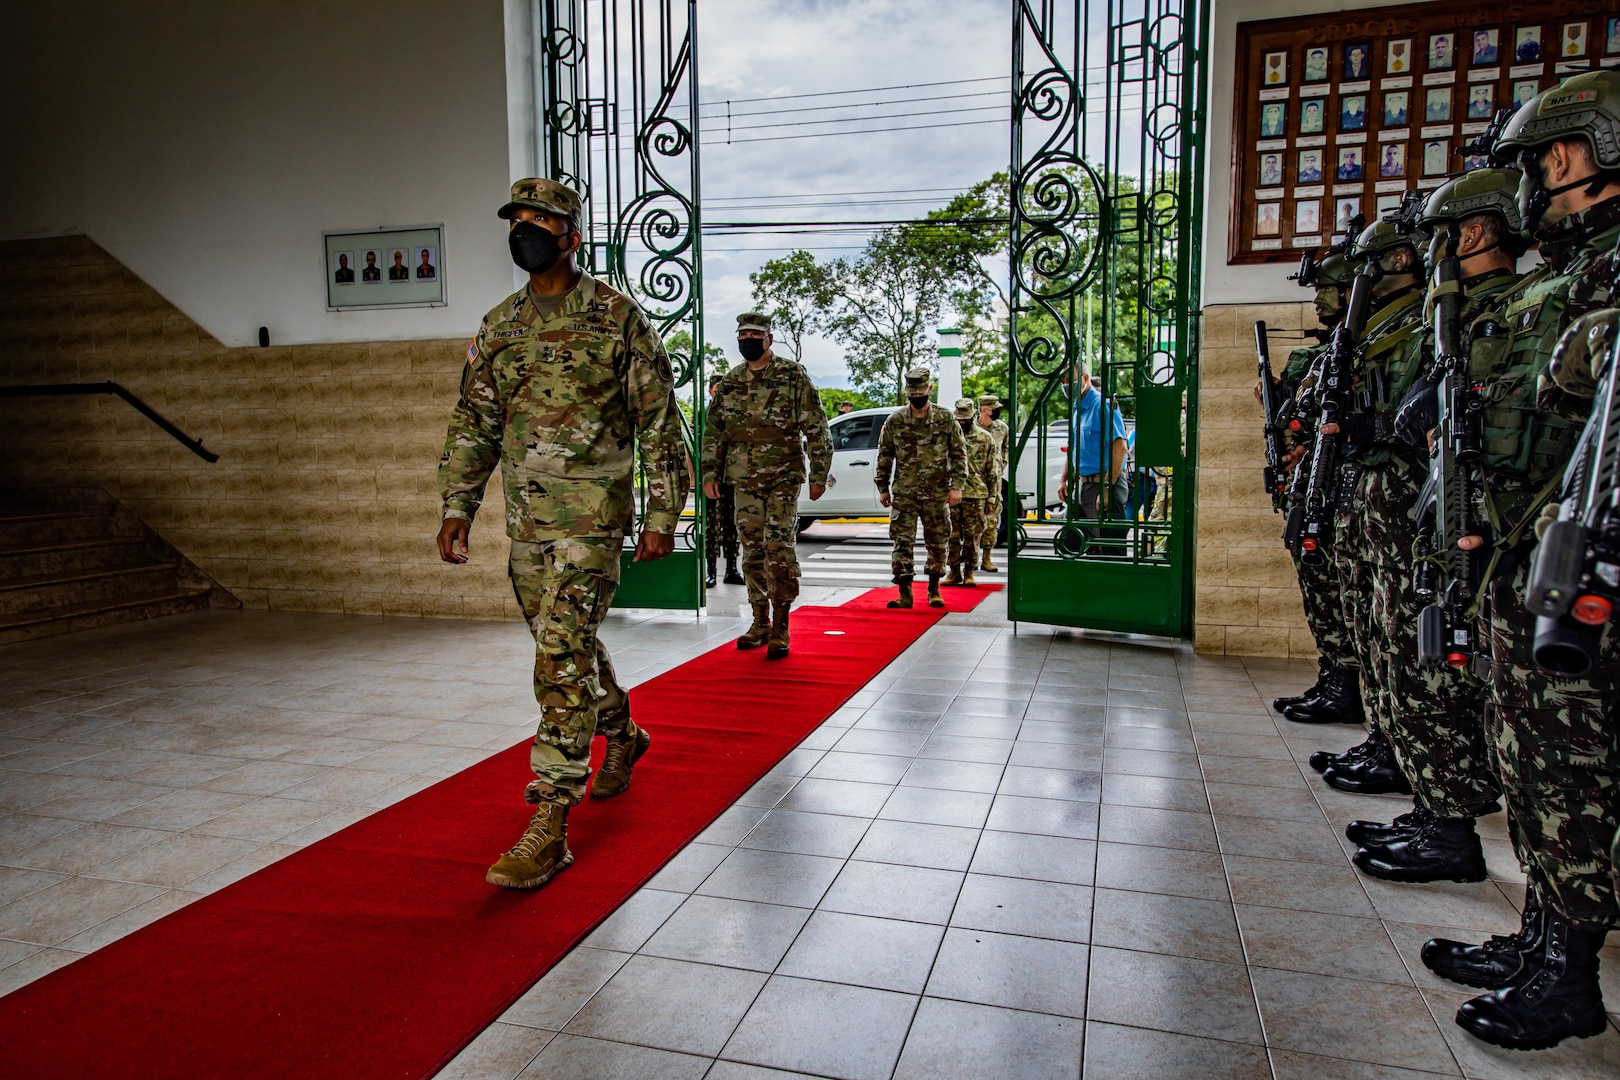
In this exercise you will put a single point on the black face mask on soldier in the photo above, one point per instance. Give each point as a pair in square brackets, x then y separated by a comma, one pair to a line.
[1535, 197]
[918, 401]
[751, 348]
[535, 250]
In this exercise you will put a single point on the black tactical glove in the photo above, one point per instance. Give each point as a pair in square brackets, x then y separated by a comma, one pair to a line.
[1360, 430]
[1418, 412]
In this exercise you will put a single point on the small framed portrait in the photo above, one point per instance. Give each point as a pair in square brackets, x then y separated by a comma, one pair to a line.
[1395, 108]
[1353, 112]
[1307, 216]
[1611, 37]
[1398, 57]
[1345, 211]
[1273, 119]
[1310, 167]
[1475, 161]
[1484, 48]
[1357, 60]
[1481, 101]
[398, 268]
[1350, 162]
[1437, 105]
[1275, 69]
[371, 273]
[1574, 40]
[1524, 91]
[1310, 116]
[1316, 64]
[426, 267]
[1435, 153]
[344, 274]
[1393, 161]
[1270, 170]
[1442, 55]
[1527, 44]
[1386, 203]
[1268, 219]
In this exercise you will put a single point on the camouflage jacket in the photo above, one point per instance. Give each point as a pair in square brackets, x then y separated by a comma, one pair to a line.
[561, 402]
[1394, 353]
[981, 459]
[1001, 435]
[759, 424]
[926, 457]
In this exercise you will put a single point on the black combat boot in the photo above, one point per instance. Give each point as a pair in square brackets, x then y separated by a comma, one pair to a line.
[1494, 963]
[708, 577]
[1555, 996]
[1442, 849]
[1378, 833]
[1323, 760]
[1339, 702]
[1323, 669]
[732, 576]
[1375, 774]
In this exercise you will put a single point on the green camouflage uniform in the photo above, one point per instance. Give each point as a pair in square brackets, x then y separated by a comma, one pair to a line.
[1557, 744]
[967, 516]
[755, 440]
[1318, 583]
[1001, 435]
[926, 458]
[561, 402]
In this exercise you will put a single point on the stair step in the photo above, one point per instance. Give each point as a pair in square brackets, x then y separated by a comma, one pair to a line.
[72, 576]
[73, 556]
[67, 526]
[163, 604]
[70, 545]
[48, 515]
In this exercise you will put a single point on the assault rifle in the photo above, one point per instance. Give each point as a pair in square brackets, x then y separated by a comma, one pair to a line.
[1443, 573]
[1574, 582]
[1270, 393]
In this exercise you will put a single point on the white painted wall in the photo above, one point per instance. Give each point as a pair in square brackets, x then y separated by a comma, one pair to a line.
[208, 144]
[1265, 283]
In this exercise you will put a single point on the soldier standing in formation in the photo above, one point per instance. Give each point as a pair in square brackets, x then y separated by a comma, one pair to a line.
[967, 516]
[765, 413]
[921, 451]
[1547, 743]
[563, 379]
[990, 421]
[720, 521]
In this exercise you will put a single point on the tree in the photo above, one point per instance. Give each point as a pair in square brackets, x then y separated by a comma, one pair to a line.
[833, 396]
[791, 290]
[679, 347]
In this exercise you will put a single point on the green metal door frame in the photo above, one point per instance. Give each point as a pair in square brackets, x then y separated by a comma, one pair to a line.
[1106, 209]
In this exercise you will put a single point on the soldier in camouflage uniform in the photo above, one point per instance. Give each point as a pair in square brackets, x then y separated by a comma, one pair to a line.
[720, 522]
[766, 411]
[922, 451]
[1557, 746]
[1001, 435]
[967, 516]
[563, 380]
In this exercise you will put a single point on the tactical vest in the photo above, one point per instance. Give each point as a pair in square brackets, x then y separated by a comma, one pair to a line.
[1524, 447]
[1393, 355]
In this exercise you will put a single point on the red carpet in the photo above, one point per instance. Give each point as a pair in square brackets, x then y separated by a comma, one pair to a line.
[380, 951]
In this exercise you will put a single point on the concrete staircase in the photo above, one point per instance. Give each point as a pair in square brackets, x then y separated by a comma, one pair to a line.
[74, 560]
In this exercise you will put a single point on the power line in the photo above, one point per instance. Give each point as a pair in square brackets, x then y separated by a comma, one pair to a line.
[830, 194]
[857, 105]
[862, 90]
[863, 119]
[862, 131]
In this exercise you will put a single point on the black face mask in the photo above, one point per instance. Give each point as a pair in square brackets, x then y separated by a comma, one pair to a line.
[918, 402]
[1535, 197]
[535, 250]
[966, 424]
[751, 348]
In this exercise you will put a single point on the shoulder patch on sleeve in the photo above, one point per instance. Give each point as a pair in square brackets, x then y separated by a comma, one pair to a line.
[472, 350]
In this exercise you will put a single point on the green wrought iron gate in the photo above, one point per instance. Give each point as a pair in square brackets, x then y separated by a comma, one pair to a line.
[1106, 209]
[616, 96]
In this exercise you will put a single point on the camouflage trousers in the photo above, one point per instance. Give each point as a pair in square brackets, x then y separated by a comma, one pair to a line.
[720, 524]
[936, 525]
[564, 588]
[1558, 750]
[1324, 612]
[1353, 571]
[967, 528]
[992, 518]
[767, 525]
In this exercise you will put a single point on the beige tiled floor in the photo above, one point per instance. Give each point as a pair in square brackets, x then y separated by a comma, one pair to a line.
[1008, 856]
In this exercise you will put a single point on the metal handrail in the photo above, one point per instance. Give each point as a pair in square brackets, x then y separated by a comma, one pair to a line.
[109, 387]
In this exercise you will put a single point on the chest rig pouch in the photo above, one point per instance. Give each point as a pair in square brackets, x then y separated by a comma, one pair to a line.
[1520, 442]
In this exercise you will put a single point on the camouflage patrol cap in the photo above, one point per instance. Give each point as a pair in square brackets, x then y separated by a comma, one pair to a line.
[990, 400]
[753, 320]
[964, 408]
[1478, 192]
[547, 195]
[920, 379]
[1585, 106]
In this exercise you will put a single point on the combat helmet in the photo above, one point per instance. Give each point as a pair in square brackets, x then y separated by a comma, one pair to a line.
[1401, 227]
[1477, 192]
[1587, 106]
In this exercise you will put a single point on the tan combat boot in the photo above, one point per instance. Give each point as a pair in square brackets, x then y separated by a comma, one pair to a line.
[613, 778]
[779, 633]
[904, 599]
[760, 632]
[954, 577]
[967, 576]
[934, 599]
[539, 856]
[985, 563]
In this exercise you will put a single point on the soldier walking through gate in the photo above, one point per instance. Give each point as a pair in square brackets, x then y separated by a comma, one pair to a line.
[967, 516]
[921, 450]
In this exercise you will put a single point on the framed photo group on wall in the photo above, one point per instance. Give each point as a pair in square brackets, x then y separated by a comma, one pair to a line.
[385, 268]
[1338, 115]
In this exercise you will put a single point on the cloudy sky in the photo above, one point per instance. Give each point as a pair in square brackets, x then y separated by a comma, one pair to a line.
[766, 57]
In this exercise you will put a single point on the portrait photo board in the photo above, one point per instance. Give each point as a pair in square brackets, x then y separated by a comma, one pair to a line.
[385, 292]
[1377, 76]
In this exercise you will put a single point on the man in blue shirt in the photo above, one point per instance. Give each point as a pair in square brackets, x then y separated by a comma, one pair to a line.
[1086, 428]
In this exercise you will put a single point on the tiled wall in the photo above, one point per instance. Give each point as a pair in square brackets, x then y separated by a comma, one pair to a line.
[324, 497]
[1248, 597]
